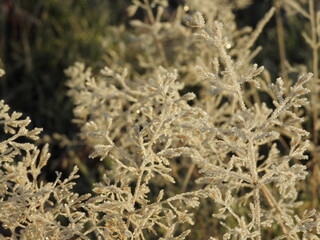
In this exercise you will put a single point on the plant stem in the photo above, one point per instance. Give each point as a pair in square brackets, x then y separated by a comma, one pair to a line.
[315, 71]
[314, 99]
[187, 179]
[256, 189]
[149, 12]
[274, 204]
[280, 35]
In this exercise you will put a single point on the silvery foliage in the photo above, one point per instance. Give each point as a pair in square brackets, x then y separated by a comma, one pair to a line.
[147, 128]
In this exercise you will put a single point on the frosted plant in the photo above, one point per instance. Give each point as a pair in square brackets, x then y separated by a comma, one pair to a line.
[308, 10]
[145, 128]
[158, 127]
[149, 127]
[30, 208]
[231, 138]
[168, 43]
[172, 152]
[161, 38]
[34, 209]
[270, 181]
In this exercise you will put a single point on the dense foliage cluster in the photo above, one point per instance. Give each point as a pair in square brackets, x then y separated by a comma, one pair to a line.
[198, 141]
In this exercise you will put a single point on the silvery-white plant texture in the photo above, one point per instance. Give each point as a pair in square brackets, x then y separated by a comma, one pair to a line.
[229, 152]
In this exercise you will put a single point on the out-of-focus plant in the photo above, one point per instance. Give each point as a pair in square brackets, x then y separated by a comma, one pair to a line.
[38, 40]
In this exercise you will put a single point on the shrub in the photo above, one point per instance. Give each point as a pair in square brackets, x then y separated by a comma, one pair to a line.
[234, 148]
